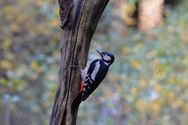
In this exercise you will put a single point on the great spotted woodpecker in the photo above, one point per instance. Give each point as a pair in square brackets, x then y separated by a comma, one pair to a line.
[92, 76]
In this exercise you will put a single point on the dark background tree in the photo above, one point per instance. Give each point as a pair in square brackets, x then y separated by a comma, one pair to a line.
[147, 84]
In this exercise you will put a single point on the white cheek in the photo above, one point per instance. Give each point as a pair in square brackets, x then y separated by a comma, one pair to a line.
[107, 58]
[85, 70]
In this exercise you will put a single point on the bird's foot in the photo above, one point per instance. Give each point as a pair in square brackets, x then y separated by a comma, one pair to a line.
[74, 67]
[61, 26]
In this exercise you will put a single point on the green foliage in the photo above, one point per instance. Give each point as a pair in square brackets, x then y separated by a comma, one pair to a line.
[147, 83]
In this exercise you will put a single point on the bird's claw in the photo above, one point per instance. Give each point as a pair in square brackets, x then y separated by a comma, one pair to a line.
[74, 67]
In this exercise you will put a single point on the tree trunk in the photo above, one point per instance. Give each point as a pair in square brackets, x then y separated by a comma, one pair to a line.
[150, 14]
[8, 114]
[79, 19]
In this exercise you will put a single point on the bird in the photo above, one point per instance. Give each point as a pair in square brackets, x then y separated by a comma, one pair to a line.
[92, 75]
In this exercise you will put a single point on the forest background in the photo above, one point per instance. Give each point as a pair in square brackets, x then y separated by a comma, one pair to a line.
[146, 85]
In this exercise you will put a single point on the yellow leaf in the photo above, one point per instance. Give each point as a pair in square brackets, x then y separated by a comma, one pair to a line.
[14, 28]
[141, 105]
[124, 50]
[3, 81]
[134, 91]
[179, 102]
[172, 95]
[112, 78]
[54, 22]
[7, 43]
[35, 66]
[155, 105]
[136, 64]
[158, 88]
[143, 83]
[6, 64]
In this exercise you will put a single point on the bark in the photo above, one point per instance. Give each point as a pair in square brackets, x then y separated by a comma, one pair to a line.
[150, 14]
[79, 19]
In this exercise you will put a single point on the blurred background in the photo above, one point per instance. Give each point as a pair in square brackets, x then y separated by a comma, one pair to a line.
[146, 85]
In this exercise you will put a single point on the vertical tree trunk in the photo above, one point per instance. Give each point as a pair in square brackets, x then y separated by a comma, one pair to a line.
[150, 13]
[79, 19]
[7, 114]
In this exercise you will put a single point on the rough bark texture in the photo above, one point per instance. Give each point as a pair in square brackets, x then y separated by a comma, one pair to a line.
[79, 19]
[150, 14]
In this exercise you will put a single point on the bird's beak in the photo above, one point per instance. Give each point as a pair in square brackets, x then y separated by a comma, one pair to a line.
[99, 52]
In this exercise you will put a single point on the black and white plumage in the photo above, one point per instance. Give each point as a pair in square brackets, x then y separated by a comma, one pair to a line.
[93, 74]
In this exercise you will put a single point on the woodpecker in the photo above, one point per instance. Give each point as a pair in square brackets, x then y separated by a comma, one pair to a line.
[92, 75]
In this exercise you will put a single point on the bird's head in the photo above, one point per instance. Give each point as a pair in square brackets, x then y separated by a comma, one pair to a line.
[107, 57]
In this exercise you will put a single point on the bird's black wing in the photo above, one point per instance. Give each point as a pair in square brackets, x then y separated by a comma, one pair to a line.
[88, 87]
[89, 83]
[92, 66]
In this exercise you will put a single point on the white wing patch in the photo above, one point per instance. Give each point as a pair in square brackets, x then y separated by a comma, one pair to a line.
[95, 71]
[84, 71]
